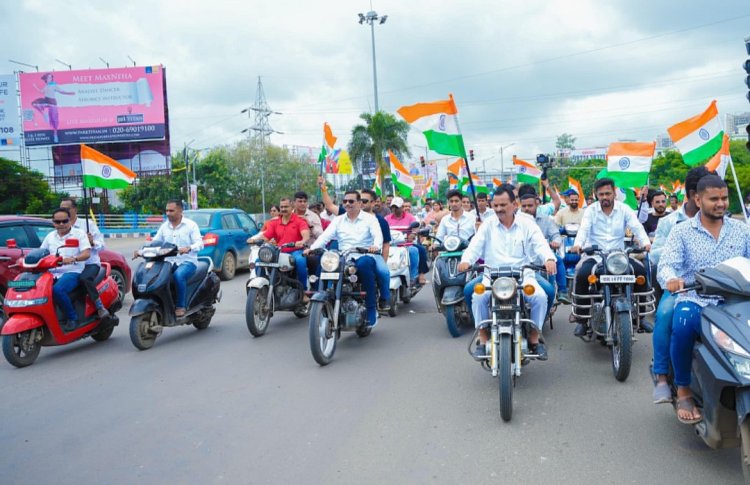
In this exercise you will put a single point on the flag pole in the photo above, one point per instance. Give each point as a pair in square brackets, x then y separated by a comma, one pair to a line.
[739, 191]
[466, 165]
[83, 184]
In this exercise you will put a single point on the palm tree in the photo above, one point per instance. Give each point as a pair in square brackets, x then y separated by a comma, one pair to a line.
[381, 132]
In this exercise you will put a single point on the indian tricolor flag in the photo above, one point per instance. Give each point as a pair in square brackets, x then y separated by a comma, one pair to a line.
[402, 181]
[438, 121]
[576, 186]
[698, 138]
[479, 186]
[457, 174]
[628, 164]
[526, 173]
[377, 186]
[103, 172]
[429, 189]
[720, 161]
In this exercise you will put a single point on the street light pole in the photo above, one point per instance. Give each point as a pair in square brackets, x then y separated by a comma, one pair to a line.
[371, 17]
[502, 160]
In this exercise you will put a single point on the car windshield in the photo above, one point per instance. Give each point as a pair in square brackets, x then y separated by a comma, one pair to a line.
[203, 219]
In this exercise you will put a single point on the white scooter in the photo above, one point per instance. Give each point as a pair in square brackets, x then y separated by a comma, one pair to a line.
[398, 265]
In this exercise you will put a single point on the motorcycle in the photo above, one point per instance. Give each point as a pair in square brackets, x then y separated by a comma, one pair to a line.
[33, 321]
[510, 325]
[272, 287]
[154, 305]
[448, 284]
[613, 308]
[720, 374]
[401, 285]
[338, 305]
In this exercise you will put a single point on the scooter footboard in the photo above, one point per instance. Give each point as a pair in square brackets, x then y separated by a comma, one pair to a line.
[452, 295]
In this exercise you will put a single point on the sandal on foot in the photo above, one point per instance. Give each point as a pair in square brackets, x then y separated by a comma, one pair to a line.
[687, 404]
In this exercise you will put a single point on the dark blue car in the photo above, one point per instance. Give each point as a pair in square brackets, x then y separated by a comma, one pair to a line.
[225, 233]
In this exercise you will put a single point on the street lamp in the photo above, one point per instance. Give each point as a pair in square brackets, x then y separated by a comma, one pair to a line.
[24, 64]
[502, 160]
[371, 17]
[70, 68]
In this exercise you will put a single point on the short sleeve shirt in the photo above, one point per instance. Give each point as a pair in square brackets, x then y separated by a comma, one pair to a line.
[291, 232]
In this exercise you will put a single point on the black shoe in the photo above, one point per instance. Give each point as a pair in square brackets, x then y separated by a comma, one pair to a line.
[581, 330]
[102, 313]
[540, 350]
[70, 325]
[647, 327]
[383, 306]
[480, 352]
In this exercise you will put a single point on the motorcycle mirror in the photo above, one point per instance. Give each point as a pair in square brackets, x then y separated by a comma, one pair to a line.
[414, 225]
[72, 243]
[11, 243]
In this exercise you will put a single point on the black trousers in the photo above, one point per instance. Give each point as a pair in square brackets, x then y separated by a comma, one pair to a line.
[87, 280]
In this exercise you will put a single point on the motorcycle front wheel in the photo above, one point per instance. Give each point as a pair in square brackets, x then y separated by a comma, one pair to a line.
[19, 350]
[745, 449]
[257, 314]
[451, 321]
[141, 333]
[622, 349]
[505, 376]
[322, 336]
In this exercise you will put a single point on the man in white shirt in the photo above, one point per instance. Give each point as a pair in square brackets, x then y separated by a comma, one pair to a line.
[93, 264]
[355, 229]
[604, 224]
[458, 222]
[185, 234]
[508, 240]
[313, 219]
[485, 212]
[67, 276]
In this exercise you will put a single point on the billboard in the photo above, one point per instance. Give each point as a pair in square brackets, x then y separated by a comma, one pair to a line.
[143, 158]
[93, 106]
[10, 126]
[585, 154]
[421, 175]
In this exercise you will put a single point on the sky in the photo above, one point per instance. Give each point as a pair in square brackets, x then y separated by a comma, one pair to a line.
[522, 73]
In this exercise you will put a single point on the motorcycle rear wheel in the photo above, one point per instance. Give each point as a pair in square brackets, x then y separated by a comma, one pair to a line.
[321, 347]
[505, 376]
[257, 314]
[394, 304]
[745, 449]
[622, 349]
[18, 352]
[140, 330]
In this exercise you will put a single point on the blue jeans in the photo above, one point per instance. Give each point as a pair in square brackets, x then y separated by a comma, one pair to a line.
[66, 283]
[180, 275]
[686, 326]
[663, 333]
[383, 277]
[549, 290]
[413, 262]
[422, 251]
[561, 278]
[469, 293]
[366, 269]
[300, 266]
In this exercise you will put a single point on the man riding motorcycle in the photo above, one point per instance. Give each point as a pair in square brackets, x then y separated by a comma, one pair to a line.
[603, 225]
[704, 241]
[510, 240]
[357, 229]
[288, 228]
[67, 276]
[183, 233]
[92, 265]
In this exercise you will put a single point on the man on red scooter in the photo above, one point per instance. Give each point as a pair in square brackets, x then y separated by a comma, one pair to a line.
[66, 276]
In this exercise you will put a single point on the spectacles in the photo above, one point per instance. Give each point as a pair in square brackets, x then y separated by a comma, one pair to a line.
[60, 221]
[365, 201]
[349, 201]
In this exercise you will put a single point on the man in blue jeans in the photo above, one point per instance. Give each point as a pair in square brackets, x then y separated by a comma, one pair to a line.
[704, 241]
[183, 233]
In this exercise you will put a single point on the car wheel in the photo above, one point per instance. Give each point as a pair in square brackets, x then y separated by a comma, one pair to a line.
[119, 278]
[228, 266]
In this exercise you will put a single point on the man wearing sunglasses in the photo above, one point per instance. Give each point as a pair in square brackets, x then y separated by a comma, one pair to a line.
[357, 229]
[68, 275]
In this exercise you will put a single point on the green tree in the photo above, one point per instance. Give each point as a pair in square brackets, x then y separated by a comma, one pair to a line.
[25, 191]
[380, 132]
[566, 141]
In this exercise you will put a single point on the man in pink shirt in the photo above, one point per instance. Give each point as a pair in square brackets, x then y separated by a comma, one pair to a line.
[400, 220]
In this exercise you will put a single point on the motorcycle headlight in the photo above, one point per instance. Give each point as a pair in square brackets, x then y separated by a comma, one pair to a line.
[451, 243]
[266, 254]
[504, 288]
[329, 261]
[164, 251]
[150, 252]
[25, 303]
[617, 263]
[737, 356]
[571, 229]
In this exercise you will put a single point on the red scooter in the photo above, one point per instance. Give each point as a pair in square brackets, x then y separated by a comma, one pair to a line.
[33, 320]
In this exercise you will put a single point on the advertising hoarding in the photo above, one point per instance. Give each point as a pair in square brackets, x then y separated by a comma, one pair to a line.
[10, 125]
[93, 106]
[143, 158]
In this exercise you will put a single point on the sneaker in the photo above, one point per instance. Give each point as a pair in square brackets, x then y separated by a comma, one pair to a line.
[662, 393]
[383, 305]
[541, 351]
[562, 297]
[480, 352]
[102, 313]
[581, 330]
[373, 325]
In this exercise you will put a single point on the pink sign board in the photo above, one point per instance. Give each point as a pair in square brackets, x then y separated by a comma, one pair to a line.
[93, 106]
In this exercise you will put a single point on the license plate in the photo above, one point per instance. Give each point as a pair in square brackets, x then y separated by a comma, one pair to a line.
[268, 265]
[22, 284]
[329, 276]
[624, 278]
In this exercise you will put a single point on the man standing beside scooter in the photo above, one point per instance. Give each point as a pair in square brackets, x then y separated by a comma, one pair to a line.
[183, 233]
[704, 241]
[66, 276]
[92, 265]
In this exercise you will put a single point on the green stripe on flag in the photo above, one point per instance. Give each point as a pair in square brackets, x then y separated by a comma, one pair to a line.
[527, 179]
[629, 179]
[90, 181]
[445, 144]
[704, 152]
[403, 189]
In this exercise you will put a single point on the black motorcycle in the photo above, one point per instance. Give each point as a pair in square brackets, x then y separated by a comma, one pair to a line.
[613, 309]
[448, 284]
[720, 378]
[273, 286]
[154, 294]
[338, 305]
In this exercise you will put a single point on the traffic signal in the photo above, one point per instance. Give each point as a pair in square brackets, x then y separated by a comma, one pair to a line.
[747, 78]
[421, 161]
[471, 155]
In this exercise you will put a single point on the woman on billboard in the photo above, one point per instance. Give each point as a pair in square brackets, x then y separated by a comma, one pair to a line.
[49, 102]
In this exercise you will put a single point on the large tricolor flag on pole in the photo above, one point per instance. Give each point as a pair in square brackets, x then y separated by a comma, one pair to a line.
[438, 121]
[700, 137]
[720, 161]
[103, 172]
[527, 173]
[402, 181]
[628, 164]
